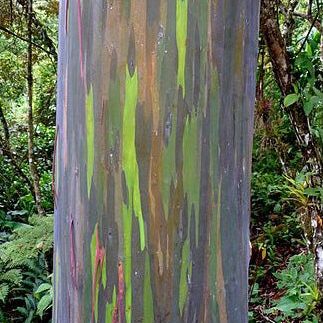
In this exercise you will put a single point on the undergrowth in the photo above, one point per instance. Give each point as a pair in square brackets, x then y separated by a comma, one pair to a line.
[25, 270]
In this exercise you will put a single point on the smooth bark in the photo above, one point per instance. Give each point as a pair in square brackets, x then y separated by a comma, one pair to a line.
[154, 133]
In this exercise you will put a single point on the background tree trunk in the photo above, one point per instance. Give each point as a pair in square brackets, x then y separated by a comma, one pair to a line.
[31, 157]
[154, 132]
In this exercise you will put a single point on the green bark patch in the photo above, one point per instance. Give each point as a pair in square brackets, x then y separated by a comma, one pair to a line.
[129, 158]
[181, 36]
[183, 288]
[148, 296]
[89, 117]
[110, 307]
[127, 228]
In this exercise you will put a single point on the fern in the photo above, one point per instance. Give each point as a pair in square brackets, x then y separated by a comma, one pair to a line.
[24, 270]
[8, 280]
[4, 291]
[13, 276]
[27, 241]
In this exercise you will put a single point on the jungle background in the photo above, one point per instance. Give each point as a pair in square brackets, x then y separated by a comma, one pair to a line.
[286, 190]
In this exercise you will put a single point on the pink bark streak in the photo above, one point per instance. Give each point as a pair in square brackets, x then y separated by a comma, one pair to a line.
[97, 274]
[118, 310]
[66, 15]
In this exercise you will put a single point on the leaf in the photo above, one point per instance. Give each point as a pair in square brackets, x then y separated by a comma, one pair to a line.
[44, 304]
[30, 317]
[22, 311]
[308, 50]
[263, 253]
[313, 191]
[308, 107]
[43, 287]
[295, 88]
[313, 102]
[290, 99]
[288, 304]
[4, 290]
[18, 212]
[318, 92]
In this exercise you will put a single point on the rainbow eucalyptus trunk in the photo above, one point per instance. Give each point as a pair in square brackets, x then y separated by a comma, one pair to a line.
[154, 132]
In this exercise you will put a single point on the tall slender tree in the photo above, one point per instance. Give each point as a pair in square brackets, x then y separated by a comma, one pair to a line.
[154, 132]
[31, 158]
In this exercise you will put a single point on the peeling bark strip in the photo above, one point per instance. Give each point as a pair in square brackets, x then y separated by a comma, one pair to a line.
[155, 110]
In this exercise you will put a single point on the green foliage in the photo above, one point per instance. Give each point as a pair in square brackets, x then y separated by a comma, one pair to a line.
[27, 241]
[309, 81]
[291, 99]
[299, 189]
[14, 193]
[300, 292]
[294, 296]
[30, 305]
[44, 294]
[267, 193]
[282, 186]
[24, 269]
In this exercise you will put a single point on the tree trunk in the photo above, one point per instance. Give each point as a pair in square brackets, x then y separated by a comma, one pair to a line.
[283, 74]
[154, 133]
[5, 150]
[31, 157]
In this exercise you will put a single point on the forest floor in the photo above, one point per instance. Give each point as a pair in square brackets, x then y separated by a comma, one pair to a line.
[281, 278]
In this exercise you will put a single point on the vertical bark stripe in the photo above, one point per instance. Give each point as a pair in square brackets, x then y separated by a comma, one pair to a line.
[89, 139]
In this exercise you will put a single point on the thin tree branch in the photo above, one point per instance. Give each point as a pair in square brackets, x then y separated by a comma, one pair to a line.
[308, 34]
[41, 31]
[4, 125]
[25, 40]
[317, 23]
